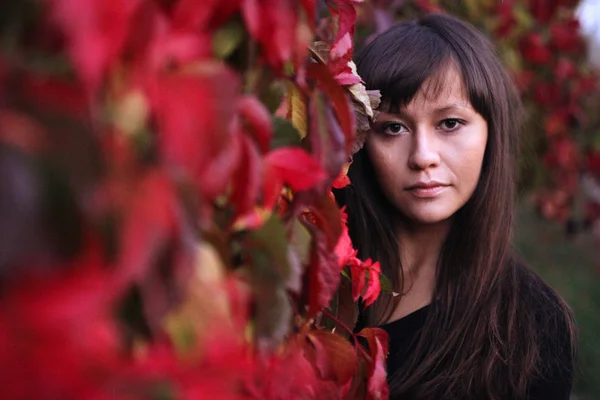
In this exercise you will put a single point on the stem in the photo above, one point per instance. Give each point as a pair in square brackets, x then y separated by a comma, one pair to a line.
[354, 336]
[328, 314]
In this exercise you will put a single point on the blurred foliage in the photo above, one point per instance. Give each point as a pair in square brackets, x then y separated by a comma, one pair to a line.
[167, 222]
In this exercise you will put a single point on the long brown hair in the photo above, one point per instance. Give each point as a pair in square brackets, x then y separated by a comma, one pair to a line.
[481, 338]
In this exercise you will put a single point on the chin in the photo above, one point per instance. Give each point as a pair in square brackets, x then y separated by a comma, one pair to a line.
[428, 217]
[430, 220]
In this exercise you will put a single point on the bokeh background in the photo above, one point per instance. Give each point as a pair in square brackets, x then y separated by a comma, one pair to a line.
[552, 48]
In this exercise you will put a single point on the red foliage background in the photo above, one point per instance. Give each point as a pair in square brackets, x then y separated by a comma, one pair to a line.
[168, 225]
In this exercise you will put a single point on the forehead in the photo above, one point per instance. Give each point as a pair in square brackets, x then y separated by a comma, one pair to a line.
[443, 88]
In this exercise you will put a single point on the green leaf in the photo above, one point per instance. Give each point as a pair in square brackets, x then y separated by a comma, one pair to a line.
[227, 39]
[385, 283]
[272, 309]
[271, 95]
[272, 237]
[271, 274]
[285, 134]
[346, 274]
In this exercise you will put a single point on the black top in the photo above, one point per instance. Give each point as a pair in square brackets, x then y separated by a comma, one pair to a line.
[404, 333]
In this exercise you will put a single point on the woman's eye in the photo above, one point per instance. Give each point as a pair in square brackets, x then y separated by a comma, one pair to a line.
[393, 128]
[451, 124]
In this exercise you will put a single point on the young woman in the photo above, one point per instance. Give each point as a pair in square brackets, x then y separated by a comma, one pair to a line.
[432, 198]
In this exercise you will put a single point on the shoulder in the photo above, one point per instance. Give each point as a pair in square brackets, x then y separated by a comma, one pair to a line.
[551, 312]
[554, 326]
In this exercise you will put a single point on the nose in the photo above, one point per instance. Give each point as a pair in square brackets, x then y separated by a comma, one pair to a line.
[424, 153]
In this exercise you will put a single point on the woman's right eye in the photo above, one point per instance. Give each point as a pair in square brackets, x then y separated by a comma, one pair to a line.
[393, 128]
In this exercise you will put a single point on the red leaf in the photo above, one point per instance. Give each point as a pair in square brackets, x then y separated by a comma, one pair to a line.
[148, 225]
[592, 162]
[547, 94]
[276, 26]
[310, 7]
[585, 85]
[543, 10]
[566, 37]
[324, 273]
[341, 181]
[342, 44]
[160, 45]
[564, 69]
[273, 24]
[21, 131]
[373, 285]
[344, 249]
[335, 357]
[524, 80]
[326, 216]
[378, 347]
[507, 20]
[96, 31]
[253, 17]
[194, 113]
[358, 276]
[556, 123]
[347, 77]
[214, 180]
[295, 167]
[224, 371]
[203, 15]
[324, 221]
[327, 141]
[287, 376]
[534, 49]
[272, 186]
[258, 119]
[57, 95]
[365, 273]
[57, 336]
[339, 100]
[247, 177]
[170, 47]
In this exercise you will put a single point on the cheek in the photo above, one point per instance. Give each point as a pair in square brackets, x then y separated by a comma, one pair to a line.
[469, 161]
[386, 160]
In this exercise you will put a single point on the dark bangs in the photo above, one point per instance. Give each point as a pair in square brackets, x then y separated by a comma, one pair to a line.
[399, 61]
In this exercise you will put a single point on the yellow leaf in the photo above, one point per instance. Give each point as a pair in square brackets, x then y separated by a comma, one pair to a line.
[205, 303]
[523, 17]
[512, 58]
[297, 110]
[130, 113]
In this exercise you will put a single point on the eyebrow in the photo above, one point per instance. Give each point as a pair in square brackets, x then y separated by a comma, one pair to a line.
[452, 106]
[440, 110]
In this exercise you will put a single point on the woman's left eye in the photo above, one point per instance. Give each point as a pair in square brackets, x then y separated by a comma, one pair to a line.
[451, 124]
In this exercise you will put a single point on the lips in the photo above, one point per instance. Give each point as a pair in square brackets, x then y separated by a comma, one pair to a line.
[427, 189]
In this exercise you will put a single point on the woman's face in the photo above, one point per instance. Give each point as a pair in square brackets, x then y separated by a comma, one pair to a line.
[428, 156]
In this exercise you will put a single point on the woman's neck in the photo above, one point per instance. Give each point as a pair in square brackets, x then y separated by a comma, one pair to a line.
[420, 247]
